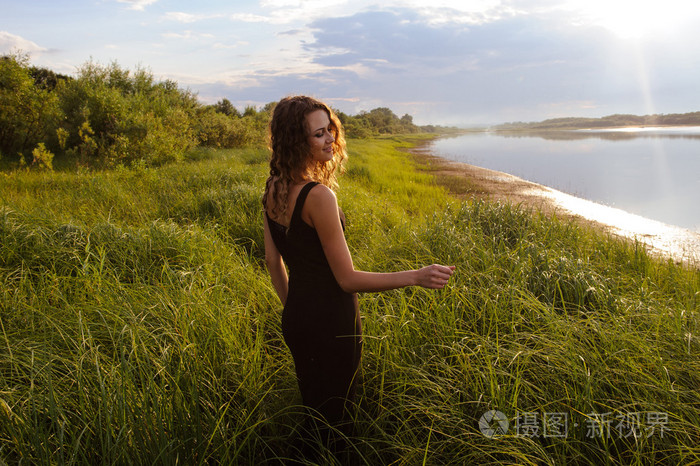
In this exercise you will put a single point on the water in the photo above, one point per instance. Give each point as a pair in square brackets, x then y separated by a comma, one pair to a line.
[651, 172]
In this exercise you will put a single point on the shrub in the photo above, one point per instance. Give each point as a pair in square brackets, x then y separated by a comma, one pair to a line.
[29, 113]
[131, 118]
[42, 157]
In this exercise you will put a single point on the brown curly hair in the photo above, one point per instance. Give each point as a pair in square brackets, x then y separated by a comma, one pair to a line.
[290, 159]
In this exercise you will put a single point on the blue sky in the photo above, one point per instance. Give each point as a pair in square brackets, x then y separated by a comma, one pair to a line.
[458, 62]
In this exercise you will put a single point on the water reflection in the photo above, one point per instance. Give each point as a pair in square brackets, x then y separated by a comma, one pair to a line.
[608, 135]
[679, 243]
[651, 173]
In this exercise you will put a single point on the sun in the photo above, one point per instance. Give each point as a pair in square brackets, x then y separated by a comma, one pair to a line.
[637, 19]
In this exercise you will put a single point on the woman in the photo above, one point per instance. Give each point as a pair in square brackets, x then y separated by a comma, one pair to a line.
[304, 229]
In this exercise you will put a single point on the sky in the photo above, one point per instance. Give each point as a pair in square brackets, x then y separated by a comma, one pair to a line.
[446, 62]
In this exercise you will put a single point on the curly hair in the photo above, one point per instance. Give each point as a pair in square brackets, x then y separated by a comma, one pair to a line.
[290, 158]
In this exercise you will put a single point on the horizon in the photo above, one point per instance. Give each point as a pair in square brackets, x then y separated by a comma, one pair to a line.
[494, 62]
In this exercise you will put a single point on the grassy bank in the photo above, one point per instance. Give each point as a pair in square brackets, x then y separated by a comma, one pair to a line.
[138, 325]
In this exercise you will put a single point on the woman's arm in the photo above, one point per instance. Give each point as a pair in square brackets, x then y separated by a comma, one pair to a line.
[322, 211]
[275, 265]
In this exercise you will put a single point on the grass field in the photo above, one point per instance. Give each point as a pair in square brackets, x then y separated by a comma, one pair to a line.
[138, 325]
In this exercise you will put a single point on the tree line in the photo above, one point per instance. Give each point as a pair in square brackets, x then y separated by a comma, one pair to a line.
[610, 121]
[108, 115]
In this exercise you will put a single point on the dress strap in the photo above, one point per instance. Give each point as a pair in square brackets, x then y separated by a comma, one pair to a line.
[301, 198]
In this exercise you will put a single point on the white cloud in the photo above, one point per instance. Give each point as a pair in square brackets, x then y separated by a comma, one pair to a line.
[187, 35]
[10, 42]
[280, 3]
[634, 19]
[472, 5]
[138, 5]
[182, 17]
[275, 17]
[221, 45]
[299, 11]
[251, 18]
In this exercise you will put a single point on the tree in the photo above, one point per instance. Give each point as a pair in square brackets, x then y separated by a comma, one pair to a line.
[28, 113]
[115, 116]
[269, 107]
[45, 78]
[226, 107]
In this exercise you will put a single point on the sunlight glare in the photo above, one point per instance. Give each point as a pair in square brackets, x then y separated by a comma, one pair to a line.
[679, 243]
[635, 19]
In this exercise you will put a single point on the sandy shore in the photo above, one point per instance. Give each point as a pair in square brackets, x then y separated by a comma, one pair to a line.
[466, 180]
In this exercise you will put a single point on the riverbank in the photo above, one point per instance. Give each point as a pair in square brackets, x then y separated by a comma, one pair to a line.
[469, 181]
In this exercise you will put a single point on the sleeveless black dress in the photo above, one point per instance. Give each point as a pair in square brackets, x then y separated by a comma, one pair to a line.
[320, 322]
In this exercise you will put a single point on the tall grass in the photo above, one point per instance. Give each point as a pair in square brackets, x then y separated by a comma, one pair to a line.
[138, 324]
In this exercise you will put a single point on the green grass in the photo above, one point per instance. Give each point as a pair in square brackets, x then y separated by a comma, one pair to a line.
[138, 324]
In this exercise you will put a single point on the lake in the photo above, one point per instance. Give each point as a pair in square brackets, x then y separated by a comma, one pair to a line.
[650, 172]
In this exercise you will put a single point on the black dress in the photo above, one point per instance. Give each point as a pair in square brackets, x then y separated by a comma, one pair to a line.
[320, 321]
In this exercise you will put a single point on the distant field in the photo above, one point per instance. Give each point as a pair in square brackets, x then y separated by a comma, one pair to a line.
[139, 326]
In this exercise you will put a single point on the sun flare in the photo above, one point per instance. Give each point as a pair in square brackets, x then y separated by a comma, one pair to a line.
[635, 19]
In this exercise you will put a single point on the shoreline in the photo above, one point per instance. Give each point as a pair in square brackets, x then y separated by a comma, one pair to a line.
[469, 181]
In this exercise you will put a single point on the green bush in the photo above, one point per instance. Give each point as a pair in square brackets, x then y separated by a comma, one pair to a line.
[216, 129]
[29, 114]
[130, 117]
[42, 157]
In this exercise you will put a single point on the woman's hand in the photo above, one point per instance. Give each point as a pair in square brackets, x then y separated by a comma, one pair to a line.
[434, 276]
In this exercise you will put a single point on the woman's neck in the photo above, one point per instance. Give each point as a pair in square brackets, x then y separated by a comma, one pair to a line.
[302, 178]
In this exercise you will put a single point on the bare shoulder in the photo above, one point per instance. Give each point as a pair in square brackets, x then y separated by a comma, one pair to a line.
[320, 206]
[322, 195]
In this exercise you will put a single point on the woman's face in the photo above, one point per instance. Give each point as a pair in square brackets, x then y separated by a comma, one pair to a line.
[320, 137]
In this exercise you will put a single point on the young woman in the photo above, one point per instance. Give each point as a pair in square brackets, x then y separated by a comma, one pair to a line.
[304, 229]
